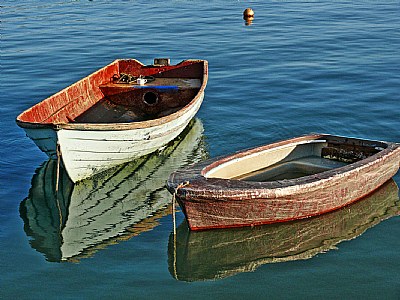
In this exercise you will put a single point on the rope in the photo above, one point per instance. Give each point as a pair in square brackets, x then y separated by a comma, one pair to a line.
[58, 151]
[128, 78]
[59, 213]
[181, 185]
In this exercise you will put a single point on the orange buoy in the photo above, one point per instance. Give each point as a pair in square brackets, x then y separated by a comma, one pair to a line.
[248, 16]
[248, 13]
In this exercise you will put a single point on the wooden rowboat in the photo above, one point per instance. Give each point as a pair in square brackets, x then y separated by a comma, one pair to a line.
[213, 254]
[283, 181]
[121, 112]
[79, 219]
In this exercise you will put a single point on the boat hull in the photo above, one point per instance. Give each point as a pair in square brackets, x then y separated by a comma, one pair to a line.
[79, 219]
[223, 203]
[85, 153]
[212, 255]
[97, 123]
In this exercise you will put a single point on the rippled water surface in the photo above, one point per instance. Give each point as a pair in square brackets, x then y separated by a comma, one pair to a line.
[300, 67]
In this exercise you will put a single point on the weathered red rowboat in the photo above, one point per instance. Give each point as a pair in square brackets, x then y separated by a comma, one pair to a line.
[123, 111]
[213, 254]
[287, 180]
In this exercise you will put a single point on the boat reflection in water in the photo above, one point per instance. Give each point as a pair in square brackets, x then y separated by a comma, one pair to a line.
[215, 254]
[110, 207]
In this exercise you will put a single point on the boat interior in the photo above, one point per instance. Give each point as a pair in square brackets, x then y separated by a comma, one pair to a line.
[122, 92]
[295, 160]
[124, 103]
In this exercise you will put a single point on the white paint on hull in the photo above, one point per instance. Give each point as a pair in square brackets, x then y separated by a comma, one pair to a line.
[96, 211]
[87, 152]
[102, 209]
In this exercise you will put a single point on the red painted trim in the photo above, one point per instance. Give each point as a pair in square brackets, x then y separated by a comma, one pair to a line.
[58, 110]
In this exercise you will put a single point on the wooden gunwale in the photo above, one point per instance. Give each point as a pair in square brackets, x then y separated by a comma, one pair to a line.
[218, 202]
[201, 188]
[116, 126]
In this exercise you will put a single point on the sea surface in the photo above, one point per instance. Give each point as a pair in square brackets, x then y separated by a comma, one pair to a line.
[300, 67]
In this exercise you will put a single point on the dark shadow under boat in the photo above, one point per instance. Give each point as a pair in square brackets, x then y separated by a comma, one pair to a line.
[120, 203]
[216, 254]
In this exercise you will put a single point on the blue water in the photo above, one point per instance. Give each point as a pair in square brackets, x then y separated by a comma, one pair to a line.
[300, 67]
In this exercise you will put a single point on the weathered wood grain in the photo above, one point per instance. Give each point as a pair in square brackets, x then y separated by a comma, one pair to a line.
[223, 203]
[211, 255]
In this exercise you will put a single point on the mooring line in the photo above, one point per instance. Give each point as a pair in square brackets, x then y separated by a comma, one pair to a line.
[181, 185]
[58, 151]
